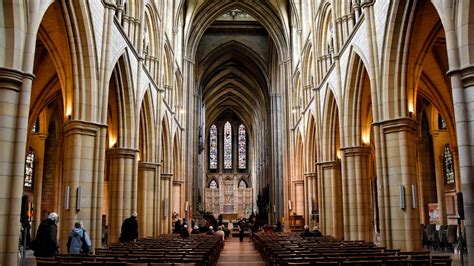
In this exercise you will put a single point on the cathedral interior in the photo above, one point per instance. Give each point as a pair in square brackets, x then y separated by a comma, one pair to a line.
[356, 116]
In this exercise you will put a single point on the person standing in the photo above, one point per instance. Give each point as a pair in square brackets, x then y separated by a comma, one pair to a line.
[184, 231]
[46, 242]
[79, 241]
[230, 227]
[129, 230]
[241, 229]
[220, 232]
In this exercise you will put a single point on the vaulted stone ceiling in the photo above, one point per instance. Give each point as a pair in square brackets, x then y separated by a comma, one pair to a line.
[233, 56]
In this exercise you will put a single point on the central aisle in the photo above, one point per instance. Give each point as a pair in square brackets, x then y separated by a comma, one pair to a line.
[239, 253]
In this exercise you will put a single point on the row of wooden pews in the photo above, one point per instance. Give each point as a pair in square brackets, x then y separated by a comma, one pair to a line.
[290, 249]
[161, 251]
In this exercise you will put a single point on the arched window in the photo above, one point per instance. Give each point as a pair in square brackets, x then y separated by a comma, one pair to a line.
[35, 128]
[213, 147]
[227, 145]
[242, 147]
[242, 184]
[441, 122]
[213, 184]
[448, 165]
[29, 169]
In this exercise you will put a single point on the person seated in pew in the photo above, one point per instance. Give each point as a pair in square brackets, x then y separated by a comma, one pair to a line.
[220, 232]
[306, 232]
[211, 231]
[316, 231]
[184, 231]
[195, 230]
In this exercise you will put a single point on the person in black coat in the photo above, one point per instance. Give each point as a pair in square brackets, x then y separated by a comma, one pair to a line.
[184, 231]
[241, 229]
[129, 230]
[46, 243]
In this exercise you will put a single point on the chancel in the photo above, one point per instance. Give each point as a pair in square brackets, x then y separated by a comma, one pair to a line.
[354, 117]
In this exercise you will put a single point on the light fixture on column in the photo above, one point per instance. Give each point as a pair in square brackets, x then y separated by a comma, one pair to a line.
[414, 196]
[78, 198]
[289, 205]
[402, 197]
[186, 206]
[66, 197]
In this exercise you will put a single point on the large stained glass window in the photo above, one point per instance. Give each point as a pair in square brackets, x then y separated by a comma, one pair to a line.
[29, 168]
[227, 145]
[213, 147]
[448, 166]
[242, 147]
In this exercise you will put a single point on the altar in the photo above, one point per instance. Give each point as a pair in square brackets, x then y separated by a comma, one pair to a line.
[229, 195]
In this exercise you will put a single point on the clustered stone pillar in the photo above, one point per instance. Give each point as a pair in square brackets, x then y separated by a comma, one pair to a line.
[15, 87]
[81, 181]
[121, 171]
[357, 203]
[311, 188]
[165, 221]
[400, 225]
[148, 188]
[331, 194]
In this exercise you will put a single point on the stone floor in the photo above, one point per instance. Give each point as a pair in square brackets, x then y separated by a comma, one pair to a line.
[239, 253]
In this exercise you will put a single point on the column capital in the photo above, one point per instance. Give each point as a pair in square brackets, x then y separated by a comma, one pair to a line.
[397, 125]
[122, 153]
[12, 79]
[329, 164]
[367, 3]
[81, 127]
[148, 165]
[357, 150]
[310, 174]
[166, 176]
[467, 75]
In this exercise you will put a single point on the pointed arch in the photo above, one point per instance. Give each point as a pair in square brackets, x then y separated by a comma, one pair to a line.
[331, 139]
[123, 96]
[206, 14]
[165, 145]
[357, 118]
[147, 129]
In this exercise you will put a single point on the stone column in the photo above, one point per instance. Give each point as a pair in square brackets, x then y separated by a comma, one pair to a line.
[147, 172]
[357, 201]
[165, 199]
[311, 188]
[462, 83]
[121, 171]
[401, 223]
[15, 88]
[331, 215]
[81, 179]
[439, 139]
[38, 183]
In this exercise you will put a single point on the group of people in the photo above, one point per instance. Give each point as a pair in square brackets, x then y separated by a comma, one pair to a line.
[79, 242]
[314, 233]
[46, 243]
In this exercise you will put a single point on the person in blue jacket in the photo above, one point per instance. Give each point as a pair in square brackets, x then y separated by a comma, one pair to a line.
[79, 241]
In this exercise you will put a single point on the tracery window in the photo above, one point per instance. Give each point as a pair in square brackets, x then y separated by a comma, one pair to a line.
[441, 122]
[213, 147]
[448, 165]
[35, 128]
[227, 145]
[242, 147]
[242, 184]
[29, 169]
[213, 184]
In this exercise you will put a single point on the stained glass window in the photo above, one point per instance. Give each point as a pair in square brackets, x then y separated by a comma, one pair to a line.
[213, 184]
[242, 184]
[441, 122]
[213, 147]
[29, 167]
[242, 147]
[448, 166]
[227, 146]
[35, 128]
